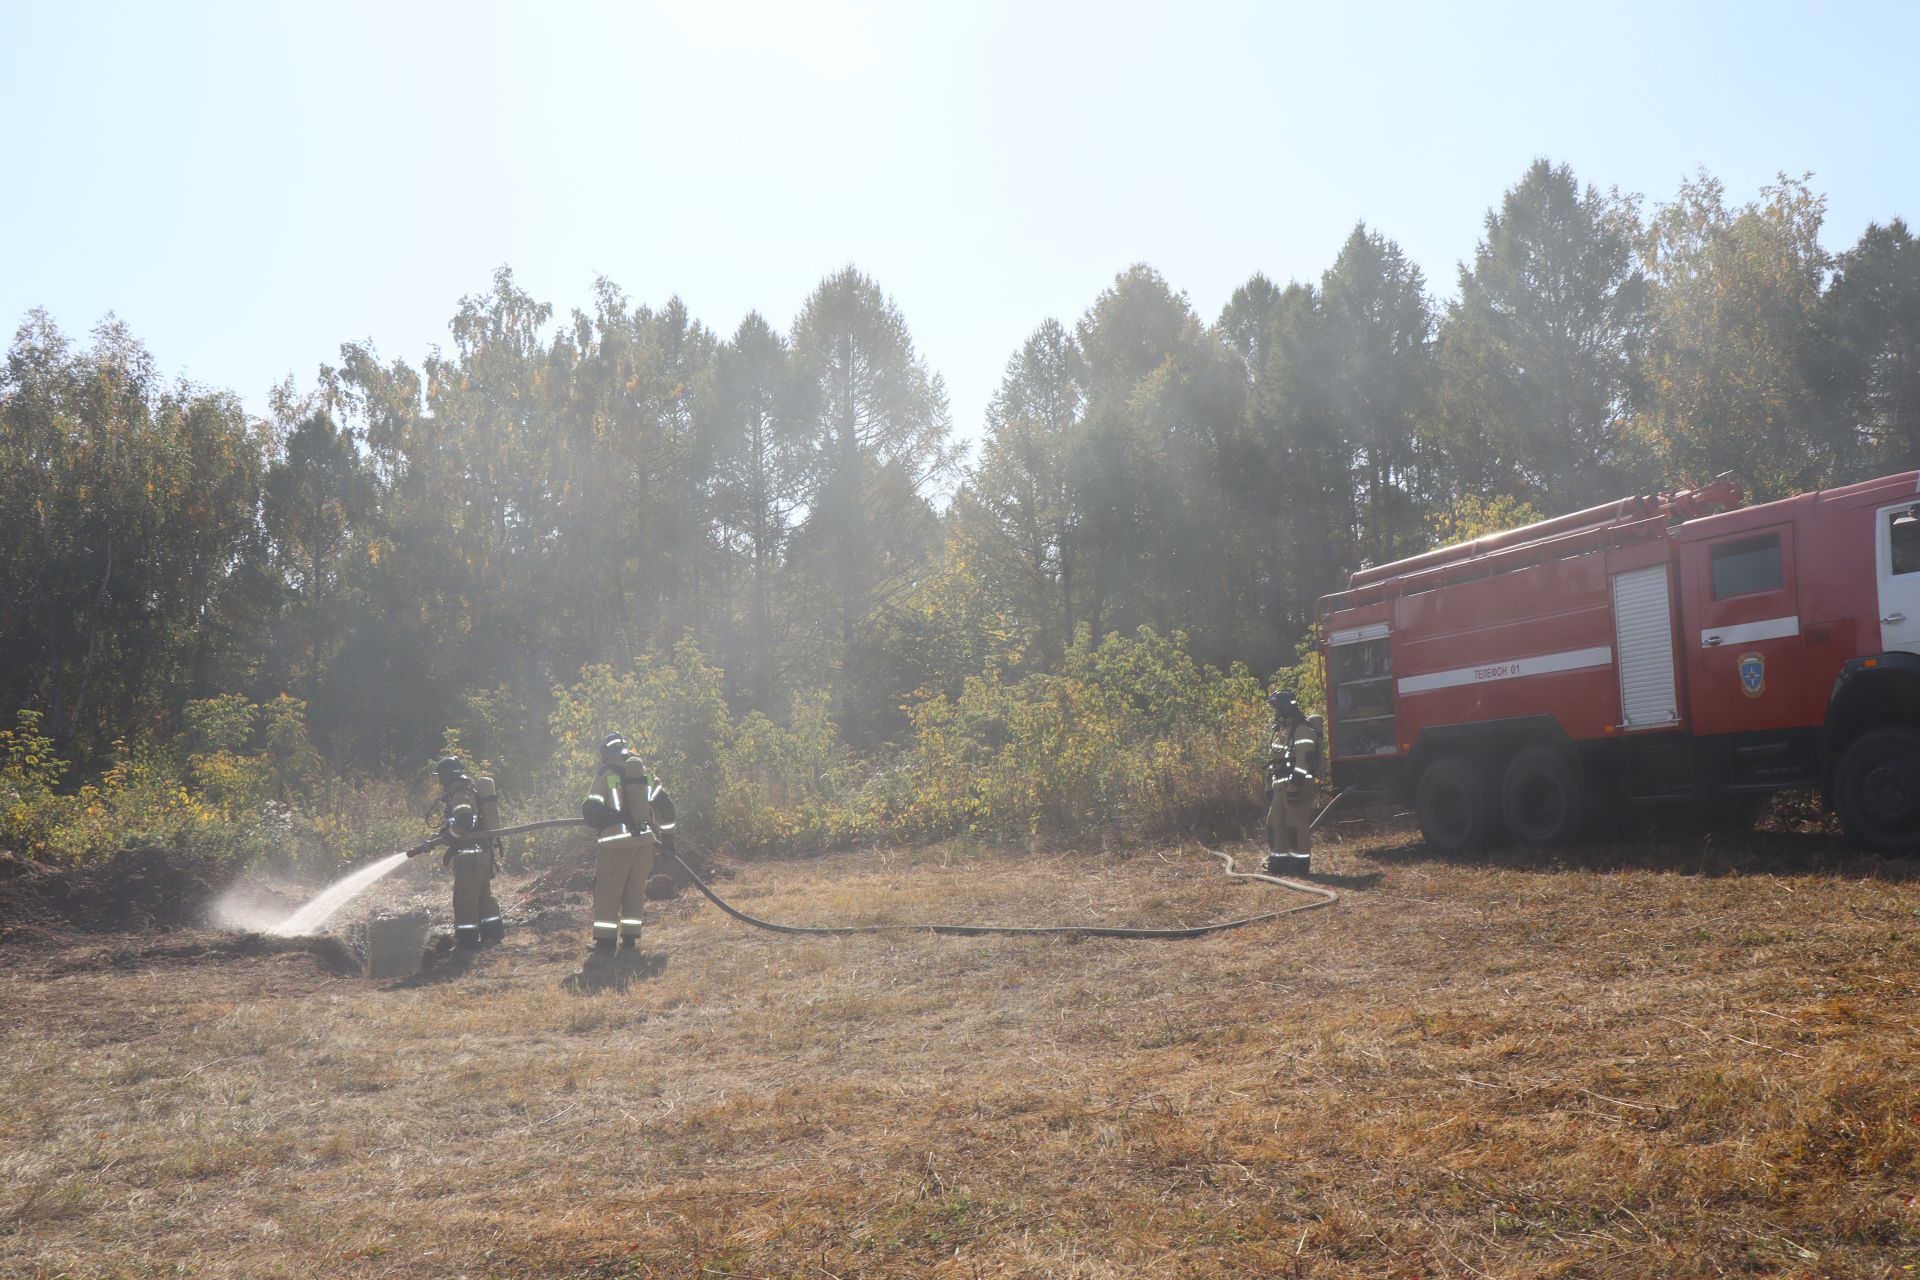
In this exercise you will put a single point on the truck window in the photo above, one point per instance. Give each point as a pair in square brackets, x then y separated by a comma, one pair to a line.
[1903, 536]
[1744, 567]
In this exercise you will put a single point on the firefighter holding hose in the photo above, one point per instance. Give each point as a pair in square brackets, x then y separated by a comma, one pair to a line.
[1293, 766]
[629, 815]
[470, 807]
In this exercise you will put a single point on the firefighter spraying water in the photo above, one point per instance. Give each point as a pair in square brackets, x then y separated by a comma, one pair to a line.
[469, 826]
[469, 810]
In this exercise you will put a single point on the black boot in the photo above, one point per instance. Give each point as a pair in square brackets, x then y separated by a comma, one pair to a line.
[603, 946]
[494, 930]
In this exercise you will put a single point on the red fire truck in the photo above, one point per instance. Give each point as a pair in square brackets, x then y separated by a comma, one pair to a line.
[1677, 648]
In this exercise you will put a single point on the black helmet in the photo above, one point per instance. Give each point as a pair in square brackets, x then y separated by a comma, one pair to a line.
[449, 768]
[1282, 700]
[613, 749]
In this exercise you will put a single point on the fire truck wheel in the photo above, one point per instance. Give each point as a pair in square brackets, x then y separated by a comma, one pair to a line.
[1877, 790]
[1543, 797]
[1456, 805]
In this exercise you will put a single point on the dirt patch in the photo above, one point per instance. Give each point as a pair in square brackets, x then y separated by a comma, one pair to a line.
[144, 889]
[24, 911]
[558, 887]
[188, 950]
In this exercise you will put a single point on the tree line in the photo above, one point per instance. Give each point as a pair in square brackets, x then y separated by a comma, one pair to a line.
[408, 548]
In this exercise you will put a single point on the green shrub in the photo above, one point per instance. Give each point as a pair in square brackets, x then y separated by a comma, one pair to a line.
[672, 712]
[207, 791]
[1131, 738]
[1306, 679]
[753, 784]
[142, 799]
[345, 821]
[782, 788]
[216, 735]
[297, 766]
[30, 769]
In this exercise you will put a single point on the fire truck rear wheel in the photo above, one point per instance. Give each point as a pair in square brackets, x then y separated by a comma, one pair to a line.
[1877, 790]
[1543, 797]
[1457, 805]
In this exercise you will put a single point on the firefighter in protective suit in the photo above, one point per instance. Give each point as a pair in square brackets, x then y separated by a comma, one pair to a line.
[1293, 785]
[470, 807]
[629, 815]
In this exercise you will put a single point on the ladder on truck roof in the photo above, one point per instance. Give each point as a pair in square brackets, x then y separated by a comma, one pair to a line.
[1512, 548]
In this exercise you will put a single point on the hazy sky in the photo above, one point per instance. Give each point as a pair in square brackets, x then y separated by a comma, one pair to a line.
[250, 185]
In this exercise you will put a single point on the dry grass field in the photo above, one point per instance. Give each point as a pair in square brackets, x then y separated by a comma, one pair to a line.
[1679, 1060]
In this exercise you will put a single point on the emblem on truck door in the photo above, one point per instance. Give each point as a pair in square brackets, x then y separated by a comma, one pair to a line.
[1753, 674]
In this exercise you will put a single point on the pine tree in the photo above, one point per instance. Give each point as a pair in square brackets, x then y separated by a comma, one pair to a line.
[1538, 356]
[881, 428]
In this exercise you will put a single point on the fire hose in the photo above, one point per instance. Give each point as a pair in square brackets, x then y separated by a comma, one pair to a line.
[1324, 898]
[545, 824]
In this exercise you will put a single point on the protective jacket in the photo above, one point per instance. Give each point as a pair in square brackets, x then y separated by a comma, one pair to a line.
[630, 817]
[1293, 785]
[466, 805]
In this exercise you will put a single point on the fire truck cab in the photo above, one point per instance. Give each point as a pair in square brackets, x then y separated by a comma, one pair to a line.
[1675, 648]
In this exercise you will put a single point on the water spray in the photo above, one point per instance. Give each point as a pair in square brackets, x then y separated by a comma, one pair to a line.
[309, 918]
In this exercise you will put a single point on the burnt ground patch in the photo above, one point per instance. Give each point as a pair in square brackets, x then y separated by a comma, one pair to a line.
[144, 890]
[190, 949]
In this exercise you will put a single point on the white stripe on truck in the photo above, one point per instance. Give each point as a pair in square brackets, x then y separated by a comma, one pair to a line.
[1545, 664]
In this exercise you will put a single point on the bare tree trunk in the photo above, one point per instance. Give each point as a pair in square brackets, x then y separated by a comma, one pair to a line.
[93, 650]
[762, 630]
[1066, 587]
[851, 532]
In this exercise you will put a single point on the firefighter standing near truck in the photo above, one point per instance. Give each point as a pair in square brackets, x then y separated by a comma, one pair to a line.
[1293, 784]
[469, 808]
[630, 815]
